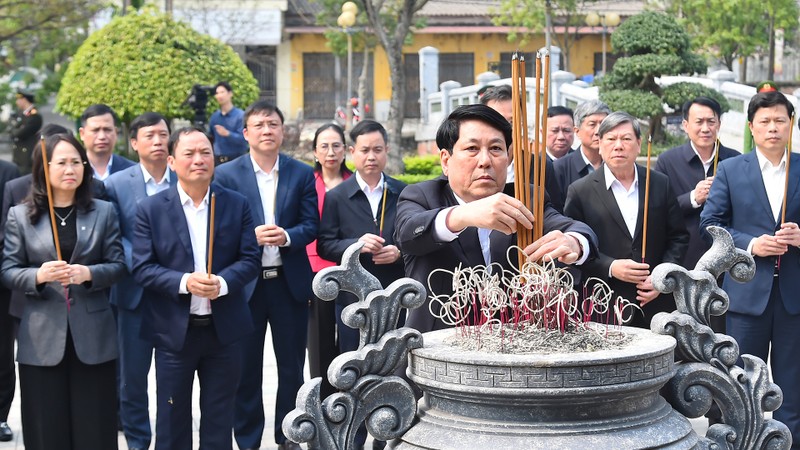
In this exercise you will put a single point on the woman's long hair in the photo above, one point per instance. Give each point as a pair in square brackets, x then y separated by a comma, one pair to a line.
[335, 127]
[37, 200]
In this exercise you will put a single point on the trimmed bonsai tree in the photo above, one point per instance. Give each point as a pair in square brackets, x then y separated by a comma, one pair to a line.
[146, 61]
[654, 45]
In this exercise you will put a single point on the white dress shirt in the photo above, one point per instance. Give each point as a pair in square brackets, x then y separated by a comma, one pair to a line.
[374, 196]
[267, 190]
[627, 199]
[197, 221]
[151, 187]
[108, 170]
[774, 178]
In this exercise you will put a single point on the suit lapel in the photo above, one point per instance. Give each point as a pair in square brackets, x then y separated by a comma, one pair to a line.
[84, 227]
[137, 184]
[467, 243]
[247, 177]
[756, 181]
[608, 200]
[43, 232]
[284, 181]
[642, 173]
[174, 210]
[794, 179]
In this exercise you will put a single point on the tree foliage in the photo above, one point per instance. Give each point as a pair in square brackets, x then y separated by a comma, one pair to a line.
[527, 17]
[391, 21]
[20, 17]
[654, 45]
[145, 61]
[675, 95]
[729, 30]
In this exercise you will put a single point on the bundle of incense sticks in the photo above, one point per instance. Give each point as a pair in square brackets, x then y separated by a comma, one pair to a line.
[529, 155]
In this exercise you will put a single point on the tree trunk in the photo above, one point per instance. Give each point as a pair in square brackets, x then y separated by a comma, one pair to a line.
[396, 110]
[771, 64]
[743, 70]
[362, 84]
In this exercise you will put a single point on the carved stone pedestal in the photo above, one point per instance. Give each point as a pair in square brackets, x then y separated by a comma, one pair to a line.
[595, 400]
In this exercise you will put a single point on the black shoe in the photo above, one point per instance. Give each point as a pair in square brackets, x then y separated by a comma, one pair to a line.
[5, 432]
[378, 445]
[289, 445]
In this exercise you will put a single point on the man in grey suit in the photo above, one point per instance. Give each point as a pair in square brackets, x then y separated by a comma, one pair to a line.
[125, 189]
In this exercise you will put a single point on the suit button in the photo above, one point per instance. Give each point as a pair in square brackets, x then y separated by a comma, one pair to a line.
[71, 301]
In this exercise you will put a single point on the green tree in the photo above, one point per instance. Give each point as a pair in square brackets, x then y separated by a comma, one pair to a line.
[145, 61]
[527, 17]
[20, 17]
[727, 30]
[654, 44]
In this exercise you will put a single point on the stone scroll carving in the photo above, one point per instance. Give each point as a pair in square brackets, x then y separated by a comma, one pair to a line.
[368, 391]
[707, 371]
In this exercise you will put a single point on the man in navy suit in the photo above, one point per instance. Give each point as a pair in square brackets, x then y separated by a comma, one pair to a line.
[746, 199]
[283, 201]
[125, 189]
[195, 319]
[98, 133]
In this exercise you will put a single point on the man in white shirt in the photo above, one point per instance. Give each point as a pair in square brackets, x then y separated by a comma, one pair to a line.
[98, 133]
[283, 199]
[125, 189]
[196, 318]
[747, 199]
[611, 201]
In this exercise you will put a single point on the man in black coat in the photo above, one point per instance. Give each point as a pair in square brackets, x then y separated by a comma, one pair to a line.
[611, 201]
[466, 218]
[8, 171]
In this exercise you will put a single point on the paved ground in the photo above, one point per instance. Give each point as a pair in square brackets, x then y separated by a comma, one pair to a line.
[270, 370]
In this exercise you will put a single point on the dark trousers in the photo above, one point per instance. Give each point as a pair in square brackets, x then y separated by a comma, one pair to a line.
[135, 356]
[8, 377]
[272, 304]
[782, 330]
[218, 370]
[322, 346]
[70, 406]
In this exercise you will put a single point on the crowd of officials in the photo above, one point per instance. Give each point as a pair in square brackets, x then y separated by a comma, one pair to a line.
[189, 256]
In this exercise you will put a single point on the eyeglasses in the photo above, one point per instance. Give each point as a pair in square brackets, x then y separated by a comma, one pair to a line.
[336, 147]
[62, 165]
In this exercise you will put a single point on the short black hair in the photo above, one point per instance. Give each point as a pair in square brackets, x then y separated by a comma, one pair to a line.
[224, 84]
[98, 109]
[367, 126]
[147, 119]
[176, 135]
[448, 133]
[702, 101]
[767, 100]
[261, 107]
[555, 111]
[53, 128]
[499, 93]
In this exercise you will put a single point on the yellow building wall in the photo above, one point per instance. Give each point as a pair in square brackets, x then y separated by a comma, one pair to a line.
[486, 47]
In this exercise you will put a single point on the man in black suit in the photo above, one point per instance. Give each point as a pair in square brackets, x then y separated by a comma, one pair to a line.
[690, 168]
[8, 171]
[499, 99]
[465, 217]
[586, 159]
[196, 320]
[363, 208]
[560, 132]
[98, 133]
[611, 201]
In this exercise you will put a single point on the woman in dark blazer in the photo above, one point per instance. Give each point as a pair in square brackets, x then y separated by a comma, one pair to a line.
[67, 343]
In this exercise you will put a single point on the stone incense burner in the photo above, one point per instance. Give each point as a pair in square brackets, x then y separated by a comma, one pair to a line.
[638, 396]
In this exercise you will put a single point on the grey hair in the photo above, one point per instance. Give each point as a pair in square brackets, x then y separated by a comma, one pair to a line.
[616, 119]
[589, 108]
